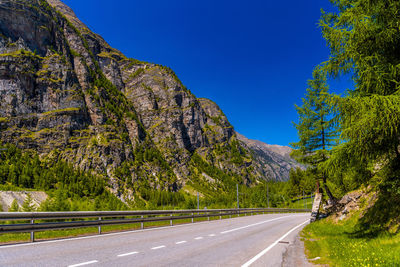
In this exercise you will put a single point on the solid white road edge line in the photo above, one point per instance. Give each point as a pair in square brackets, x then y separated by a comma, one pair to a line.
[259, 255]
[83, 263]
[112, 234]
[158, 247]
[127, 254]
[180, 242]
[254, 224]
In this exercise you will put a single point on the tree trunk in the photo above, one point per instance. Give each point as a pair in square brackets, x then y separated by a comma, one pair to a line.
[316, 204]
[332, 199]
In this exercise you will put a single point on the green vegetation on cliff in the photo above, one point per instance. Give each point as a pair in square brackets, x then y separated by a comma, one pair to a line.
[70, 189]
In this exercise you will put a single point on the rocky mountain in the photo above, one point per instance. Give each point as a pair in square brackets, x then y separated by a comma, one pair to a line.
[274, 159]
[69, 96]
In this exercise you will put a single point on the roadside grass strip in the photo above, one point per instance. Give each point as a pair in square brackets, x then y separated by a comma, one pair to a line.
[341, 244]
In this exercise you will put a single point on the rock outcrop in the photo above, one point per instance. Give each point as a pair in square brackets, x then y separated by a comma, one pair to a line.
[351, 202]
[70, 96]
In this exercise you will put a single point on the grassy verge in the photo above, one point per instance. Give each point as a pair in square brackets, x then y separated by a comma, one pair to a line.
[339, 244]
[301, 204]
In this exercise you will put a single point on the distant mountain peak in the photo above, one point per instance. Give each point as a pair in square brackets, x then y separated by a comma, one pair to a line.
[278, 149]
[274, 159]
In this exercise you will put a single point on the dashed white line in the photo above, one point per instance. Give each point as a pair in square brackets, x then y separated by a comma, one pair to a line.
[198, 238]
[82, 263]
[211, 235]
[259, 255]
[106, 235]
[128, 254]
[158, 247]
[180, 242]
[254, 224]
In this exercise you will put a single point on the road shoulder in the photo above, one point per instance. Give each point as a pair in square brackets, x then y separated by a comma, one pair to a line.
[294, 255]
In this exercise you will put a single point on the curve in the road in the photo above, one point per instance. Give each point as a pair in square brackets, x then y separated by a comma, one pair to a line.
[234, 242]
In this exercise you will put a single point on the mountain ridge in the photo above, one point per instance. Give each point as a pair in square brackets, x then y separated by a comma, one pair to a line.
[71, 97]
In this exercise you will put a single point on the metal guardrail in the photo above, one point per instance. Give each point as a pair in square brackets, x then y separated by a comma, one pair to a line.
[114, 218]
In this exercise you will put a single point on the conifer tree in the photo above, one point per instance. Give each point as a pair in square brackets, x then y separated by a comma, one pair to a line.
[27, 206]
[364, 39]
[317, 126]
[14, 206]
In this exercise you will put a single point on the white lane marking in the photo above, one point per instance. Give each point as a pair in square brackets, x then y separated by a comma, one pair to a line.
[259, 255]
[127, 254]
[180, 242]
[254, 224]
[82, 263]
[211, 235]
[112, 234]
[158, 247]
[122, 233]
[198, 238]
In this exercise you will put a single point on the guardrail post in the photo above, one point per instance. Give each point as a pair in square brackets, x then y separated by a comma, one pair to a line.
[30, 226]
[170, 221]
[99, 226]
[32, 233]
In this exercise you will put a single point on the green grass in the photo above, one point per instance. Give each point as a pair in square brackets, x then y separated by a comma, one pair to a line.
[299, 204]
[339, 244]
[10, 187]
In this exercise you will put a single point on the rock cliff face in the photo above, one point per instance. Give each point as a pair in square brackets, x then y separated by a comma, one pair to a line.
[69, 96]
[275, 160]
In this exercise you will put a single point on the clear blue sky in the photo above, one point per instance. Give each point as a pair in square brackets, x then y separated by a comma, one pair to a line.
[253, 58]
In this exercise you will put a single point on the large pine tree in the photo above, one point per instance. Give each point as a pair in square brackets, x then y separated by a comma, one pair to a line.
[317, 126]
[364, 39]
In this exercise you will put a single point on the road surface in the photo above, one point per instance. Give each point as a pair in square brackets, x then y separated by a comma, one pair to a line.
[245, 241]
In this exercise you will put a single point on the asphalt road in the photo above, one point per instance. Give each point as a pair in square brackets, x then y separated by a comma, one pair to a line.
[245, 241]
